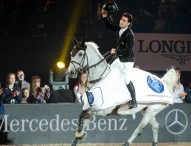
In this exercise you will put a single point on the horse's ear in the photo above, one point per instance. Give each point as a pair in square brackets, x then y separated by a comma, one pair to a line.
[83, 41]
[75, 41]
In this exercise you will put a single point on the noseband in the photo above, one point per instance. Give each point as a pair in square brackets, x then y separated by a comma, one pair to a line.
[82, 68]
[85, 68]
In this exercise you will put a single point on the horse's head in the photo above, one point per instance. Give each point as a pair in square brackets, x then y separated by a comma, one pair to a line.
[78, 60]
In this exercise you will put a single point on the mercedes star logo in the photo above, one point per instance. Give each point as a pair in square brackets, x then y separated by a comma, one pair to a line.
[176, 121]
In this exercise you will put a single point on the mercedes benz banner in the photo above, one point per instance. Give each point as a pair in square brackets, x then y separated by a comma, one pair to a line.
[56, 123]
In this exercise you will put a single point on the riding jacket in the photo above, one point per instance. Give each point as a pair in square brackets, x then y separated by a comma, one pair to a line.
[7, 95]
[125, 43]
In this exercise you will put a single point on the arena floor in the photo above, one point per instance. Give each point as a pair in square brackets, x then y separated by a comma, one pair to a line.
[98, 144]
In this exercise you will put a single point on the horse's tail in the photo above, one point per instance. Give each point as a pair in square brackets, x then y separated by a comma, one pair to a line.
[170, 78]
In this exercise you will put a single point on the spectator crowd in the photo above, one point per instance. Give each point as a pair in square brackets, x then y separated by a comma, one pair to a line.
[50, 17]
[18, 90]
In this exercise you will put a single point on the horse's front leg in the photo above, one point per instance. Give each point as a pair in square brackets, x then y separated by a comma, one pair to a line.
[83, 121]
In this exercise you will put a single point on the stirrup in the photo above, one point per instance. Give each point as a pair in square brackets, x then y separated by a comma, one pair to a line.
[132, 104]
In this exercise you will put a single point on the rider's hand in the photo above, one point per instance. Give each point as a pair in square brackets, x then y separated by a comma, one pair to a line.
[113, 51]
[104, 13]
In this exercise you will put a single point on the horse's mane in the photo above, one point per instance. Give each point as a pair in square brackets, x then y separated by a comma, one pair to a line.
[170, 78]
[93, 46]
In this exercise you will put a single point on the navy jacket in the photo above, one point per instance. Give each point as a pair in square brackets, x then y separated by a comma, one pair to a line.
[7, 95]
[125, 43]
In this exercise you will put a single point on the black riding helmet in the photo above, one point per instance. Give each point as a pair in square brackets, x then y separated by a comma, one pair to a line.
[110, 7]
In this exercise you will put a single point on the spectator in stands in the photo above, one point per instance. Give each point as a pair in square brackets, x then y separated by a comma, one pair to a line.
[20, 80]
[12, 92]
[169, 13]
[38, 93]
[1, 91]
[26, 95]
[188, 93]
[80, 87]
[179, 93]
[2, 110]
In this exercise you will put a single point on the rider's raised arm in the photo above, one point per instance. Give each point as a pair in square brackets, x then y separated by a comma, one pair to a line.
[108, 22]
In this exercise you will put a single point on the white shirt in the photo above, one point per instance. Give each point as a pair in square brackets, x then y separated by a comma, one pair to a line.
[178, 99]
[122, 30]
[77, 94]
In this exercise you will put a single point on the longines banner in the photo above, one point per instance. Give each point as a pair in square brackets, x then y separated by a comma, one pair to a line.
[161, 51]
[56, 123]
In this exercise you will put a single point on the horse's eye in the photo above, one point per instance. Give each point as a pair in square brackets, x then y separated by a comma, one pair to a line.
[80, 54]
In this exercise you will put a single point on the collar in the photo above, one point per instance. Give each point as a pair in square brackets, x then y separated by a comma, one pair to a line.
[123, 29]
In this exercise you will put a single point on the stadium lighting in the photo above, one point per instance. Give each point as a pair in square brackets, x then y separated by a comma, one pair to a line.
[60, 64]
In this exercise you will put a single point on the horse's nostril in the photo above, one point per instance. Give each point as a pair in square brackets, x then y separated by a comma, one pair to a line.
[71, 72]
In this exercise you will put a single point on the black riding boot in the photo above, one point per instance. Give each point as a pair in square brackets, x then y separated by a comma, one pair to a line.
[133, 102]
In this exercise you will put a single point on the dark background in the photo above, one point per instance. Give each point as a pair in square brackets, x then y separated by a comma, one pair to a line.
[32, 32]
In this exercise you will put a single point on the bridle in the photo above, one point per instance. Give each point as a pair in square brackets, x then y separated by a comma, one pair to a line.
[82, 68]
[86, 68]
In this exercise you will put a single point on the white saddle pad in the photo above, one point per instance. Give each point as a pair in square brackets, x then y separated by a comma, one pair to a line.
[149, 88]
[110, 91]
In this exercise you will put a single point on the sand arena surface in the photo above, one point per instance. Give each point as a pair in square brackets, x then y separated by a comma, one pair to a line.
[111, 144]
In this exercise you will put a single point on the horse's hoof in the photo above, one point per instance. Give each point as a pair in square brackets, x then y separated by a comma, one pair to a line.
[81, 135]
[125, 144]
[154, 144]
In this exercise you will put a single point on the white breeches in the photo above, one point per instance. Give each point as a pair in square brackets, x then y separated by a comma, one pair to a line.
[127, 67]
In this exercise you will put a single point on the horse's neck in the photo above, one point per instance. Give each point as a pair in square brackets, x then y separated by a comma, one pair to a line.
[97, 69]
[98, 72]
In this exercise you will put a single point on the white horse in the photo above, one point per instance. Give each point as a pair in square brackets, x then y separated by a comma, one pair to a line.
[85, 56]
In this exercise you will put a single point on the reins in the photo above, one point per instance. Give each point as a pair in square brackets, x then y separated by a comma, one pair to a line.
[86, 68]
[106, 56]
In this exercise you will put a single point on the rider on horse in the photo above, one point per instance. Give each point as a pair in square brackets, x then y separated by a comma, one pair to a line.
[125, 44]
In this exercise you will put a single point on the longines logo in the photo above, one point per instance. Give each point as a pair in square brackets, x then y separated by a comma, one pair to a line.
[176, 121]
[179, 50]
[182, 58]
